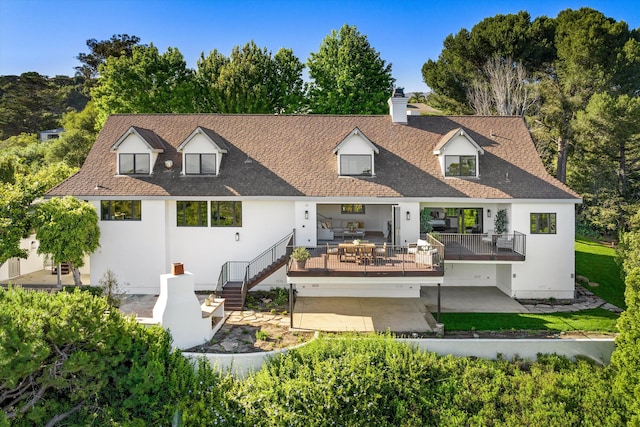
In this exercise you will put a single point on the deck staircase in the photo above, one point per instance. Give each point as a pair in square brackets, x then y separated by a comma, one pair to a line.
[238, 277]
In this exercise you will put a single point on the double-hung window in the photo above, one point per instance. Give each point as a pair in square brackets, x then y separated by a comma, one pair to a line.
[356, 164]
[120, 210]
[543, 223]
[200, 164]
[226, 214]
[132, 163]
[460, 165]
[191, 213]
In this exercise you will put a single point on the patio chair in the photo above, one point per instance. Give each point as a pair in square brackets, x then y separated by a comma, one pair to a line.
[381, 253]
[351, 253]
[488, 238]
[505, 242]
[333, 251]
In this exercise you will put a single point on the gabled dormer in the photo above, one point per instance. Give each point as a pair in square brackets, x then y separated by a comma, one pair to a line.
[356, 155]
[202, 152]
[458, 154]
[137, 151]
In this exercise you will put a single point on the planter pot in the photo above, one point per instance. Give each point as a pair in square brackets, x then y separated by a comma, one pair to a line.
[301, 263]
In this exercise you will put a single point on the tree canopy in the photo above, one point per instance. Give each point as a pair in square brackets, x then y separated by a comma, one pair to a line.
[68, 231]
[118, 45]
[250, 81]
[348, 76]
[145, 82]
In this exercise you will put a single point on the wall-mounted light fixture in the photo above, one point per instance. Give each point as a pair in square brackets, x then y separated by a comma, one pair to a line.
[237, 236]
[488, 213]
[408, 216]
[306, 214]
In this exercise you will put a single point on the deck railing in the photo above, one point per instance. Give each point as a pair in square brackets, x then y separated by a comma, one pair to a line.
[461, 246]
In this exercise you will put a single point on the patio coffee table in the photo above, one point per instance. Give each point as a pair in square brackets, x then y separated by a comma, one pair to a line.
[355, 234]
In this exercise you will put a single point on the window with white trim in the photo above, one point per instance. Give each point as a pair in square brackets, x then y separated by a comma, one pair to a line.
[134, 163]
[460, 165]
[356, 164]
[200, 164]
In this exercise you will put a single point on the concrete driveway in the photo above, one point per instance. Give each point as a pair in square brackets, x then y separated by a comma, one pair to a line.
[469, 299]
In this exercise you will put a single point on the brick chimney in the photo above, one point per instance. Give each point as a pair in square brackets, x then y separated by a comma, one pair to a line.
[398, 107]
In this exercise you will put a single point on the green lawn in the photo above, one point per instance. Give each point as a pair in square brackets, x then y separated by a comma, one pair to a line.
[595, 261]
[595, 320]
[598, 263]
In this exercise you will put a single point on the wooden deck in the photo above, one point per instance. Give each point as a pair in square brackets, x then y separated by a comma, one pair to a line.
[393, 262]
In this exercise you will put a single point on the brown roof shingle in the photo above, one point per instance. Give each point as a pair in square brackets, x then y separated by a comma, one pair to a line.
[293, 156]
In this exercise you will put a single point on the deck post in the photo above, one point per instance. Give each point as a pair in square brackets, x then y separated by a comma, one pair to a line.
[291, 305]
[438, 319]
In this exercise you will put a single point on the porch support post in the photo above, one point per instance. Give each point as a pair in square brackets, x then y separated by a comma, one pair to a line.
[291, 305]
[438, 319]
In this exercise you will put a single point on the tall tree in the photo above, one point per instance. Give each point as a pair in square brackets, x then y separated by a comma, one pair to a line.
[118, 45]
[573, 56]
[251, 80]
[606, 165]
[68, 231]
[508, 89]
[146, 82]
[348, 76]
[16, 205]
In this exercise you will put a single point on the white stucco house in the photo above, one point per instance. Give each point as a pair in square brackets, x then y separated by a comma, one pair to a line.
[228, 195]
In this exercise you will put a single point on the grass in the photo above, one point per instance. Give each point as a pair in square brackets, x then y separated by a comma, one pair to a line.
[597, 262]
[594, 320]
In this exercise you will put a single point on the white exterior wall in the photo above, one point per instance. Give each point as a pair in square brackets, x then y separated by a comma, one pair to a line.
[549, 269]
[200, 144]
[458, 146]
[133, 144]
[355, 144]
[34, 261]
[461, 273]
[372, 287]
[136, 251]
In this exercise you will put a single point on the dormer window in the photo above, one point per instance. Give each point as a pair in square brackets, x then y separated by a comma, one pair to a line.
[134, 163]
[356, 155]
[202, 152]
[458, 154]
[460, 166]
[356, 164]
[200, 164]
[138, 150]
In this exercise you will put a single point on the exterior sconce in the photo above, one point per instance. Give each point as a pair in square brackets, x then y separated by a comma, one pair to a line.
[306, 214]
[408, 216]
[237, 236]
[488, 213]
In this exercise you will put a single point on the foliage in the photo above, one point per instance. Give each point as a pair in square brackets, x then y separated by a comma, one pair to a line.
[500, 222]
[118, 45]
[68, 230]
[606, 165]
[300, 254]
[145, 82]
[30, 102]
[597, 262]
[425, 218]
[16, 211]
[250, 81]
[629, 246]
[66, 358]
[348, 76]
[111, 288]
[71, 148]
[378, 381]
[594, 320]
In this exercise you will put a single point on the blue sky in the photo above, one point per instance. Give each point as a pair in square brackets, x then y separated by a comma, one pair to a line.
[46, 35]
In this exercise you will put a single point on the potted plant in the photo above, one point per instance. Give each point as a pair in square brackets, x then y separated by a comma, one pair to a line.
[500, 223]
[300, 255]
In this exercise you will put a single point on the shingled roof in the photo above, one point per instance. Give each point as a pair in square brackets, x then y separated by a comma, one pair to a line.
[292, 156]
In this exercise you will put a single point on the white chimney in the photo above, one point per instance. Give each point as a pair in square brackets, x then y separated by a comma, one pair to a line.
[398, 107]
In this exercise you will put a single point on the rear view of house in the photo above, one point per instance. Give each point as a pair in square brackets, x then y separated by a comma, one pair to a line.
[226, 194]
